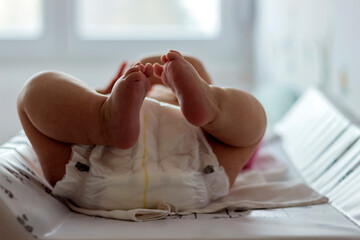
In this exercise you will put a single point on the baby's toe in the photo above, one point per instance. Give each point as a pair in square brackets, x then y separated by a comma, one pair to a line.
[172, 55]
[134, 68]
[158, 70]
[141, 66]
[148, 70]
[164, 58]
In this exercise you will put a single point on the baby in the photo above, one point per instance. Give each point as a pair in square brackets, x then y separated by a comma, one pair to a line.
[134, 145]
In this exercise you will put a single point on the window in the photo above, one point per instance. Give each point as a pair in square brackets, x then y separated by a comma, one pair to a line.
[20, 19]
[109, 28]
[144, 19]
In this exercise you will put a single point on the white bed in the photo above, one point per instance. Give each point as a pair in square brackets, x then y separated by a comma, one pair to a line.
[313, 131]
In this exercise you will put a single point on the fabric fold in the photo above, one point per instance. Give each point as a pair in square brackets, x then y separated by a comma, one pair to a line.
[137, 215]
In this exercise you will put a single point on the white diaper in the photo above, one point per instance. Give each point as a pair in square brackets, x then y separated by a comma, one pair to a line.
[171, 162]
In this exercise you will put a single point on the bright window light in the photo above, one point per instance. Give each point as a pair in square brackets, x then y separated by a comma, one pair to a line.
[148, 20]
[20, 19]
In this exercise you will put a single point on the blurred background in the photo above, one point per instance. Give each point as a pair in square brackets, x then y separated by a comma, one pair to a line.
[274, 48]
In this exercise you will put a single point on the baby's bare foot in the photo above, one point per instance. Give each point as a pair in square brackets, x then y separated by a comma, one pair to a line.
[121, 110]
[196, 98]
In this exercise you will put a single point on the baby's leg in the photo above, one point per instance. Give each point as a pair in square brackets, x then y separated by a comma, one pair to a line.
[233, 120]
[57, 110]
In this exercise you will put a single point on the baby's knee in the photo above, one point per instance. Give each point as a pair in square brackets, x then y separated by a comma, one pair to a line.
[40, 79]
[34, 86]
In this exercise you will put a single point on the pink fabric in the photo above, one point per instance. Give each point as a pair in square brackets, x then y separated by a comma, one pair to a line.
[251, 161]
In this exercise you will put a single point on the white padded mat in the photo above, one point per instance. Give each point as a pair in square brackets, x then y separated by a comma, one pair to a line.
[324, 145]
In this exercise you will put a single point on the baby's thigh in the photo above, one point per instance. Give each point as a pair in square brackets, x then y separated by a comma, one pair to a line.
[233, 159]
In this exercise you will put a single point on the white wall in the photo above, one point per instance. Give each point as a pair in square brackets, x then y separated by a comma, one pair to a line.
[304, 43]
[293, 38]
[345, 62]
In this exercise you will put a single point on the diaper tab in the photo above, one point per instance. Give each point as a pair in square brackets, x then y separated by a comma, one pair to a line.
[209, 169]
[82, 167]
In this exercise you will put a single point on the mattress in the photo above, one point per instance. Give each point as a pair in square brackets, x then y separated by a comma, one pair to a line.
[321, 152]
